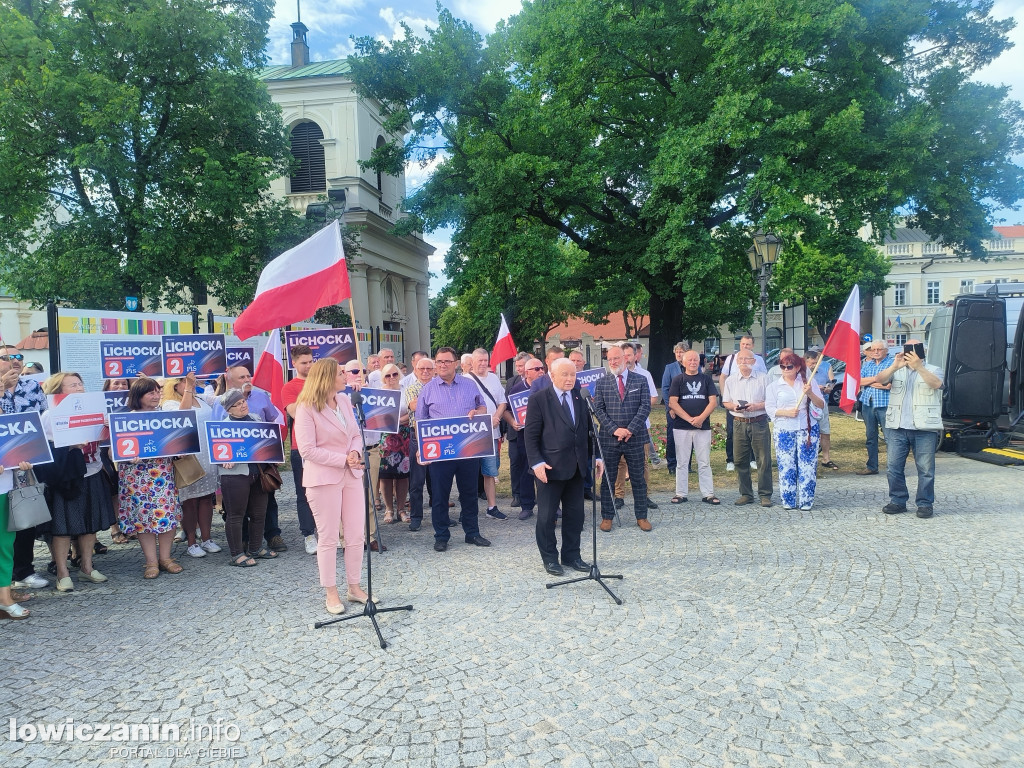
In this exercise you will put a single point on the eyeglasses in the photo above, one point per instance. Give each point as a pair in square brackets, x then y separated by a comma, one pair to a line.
[538, 368]
[392, 375]
[12, 357]
[787, 367]
[356, 370]
[233, 405]
[444, 362]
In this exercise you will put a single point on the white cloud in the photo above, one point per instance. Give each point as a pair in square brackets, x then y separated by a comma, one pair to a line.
[484, 16]
[394, 21]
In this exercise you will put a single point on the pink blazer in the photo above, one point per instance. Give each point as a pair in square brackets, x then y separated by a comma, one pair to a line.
[324, 444]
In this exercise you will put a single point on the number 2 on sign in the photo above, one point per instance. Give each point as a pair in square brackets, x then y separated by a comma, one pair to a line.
[222, 452]
[175, 367]
[114, 368]
[128, 447]
[431, 450]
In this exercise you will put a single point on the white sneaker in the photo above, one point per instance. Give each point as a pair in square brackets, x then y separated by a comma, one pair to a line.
[33, 581]
[210, 546]
[753, 465]
[730, 467]
[311, 543]
[179, 535]
[196, 551]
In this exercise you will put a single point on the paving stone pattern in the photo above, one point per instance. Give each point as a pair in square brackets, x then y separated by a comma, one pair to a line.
[748, 637]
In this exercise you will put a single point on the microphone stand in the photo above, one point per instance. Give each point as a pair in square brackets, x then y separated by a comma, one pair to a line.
[370, 609]
[595, 573]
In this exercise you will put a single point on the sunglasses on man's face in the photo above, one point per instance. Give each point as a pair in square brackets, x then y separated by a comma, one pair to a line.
[538, 368]
[12, 357]
[356, 370]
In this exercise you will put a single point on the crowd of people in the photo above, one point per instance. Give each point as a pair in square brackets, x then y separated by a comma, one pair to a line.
[782, 411]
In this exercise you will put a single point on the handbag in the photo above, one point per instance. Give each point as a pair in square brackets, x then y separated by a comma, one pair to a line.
[28, 507]
[270, 478]
[187, 470]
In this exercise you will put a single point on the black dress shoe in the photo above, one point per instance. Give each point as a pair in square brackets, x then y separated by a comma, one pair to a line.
[589, 496]
[619, 503]
[480, 541]
[415, 523]
[440, 545]
[579, 564]
[651, 504]
[554, 569]
[515, 501]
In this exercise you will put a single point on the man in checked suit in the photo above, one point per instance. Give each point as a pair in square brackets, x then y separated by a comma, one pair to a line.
[622, 403]
[557, 436]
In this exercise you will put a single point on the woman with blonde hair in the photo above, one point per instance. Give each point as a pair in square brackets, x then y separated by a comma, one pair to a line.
[196, 498]
[327, 436]
[394, 455]
[76, 494]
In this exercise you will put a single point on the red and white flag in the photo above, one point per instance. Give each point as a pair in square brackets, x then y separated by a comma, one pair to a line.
[298, 283]
[844, 344]
[269, 373]
[504, 347]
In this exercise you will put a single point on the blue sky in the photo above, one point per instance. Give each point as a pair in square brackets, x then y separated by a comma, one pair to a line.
[332, 23]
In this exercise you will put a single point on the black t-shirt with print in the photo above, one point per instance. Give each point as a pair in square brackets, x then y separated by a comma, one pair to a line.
[693, 393]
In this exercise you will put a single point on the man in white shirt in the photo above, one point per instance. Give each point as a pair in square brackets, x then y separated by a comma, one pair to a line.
[386, 357]
[494, 400]
[729, 367]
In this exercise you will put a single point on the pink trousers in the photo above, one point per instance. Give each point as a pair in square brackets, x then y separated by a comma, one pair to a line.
[336, 506]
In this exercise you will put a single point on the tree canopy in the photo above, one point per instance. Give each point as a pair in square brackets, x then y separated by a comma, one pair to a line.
[657, 135]
[136, 148]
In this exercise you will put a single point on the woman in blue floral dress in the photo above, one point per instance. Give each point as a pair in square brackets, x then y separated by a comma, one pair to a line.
[148, 503]
[789, 402]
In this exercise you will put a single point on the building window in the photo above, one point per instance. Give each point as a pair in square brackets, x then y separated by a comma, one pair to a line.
[380, 179]
[898, 249]
[900, 293]
[311, 175]
[966, 286]
[934, 287]
[898, 339]
[778, 306]
[933, 248]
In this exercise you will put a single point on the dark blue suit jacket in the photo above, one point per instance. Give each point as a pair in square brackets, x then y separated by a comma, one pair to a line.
[551, 437]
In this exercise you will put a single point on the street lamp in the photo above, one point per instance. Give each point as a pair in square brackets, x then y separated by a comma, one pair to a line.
[762, 257]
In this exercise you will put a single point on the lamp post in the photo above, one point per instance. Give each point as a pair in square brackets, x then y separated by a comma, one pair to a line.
[762, 257]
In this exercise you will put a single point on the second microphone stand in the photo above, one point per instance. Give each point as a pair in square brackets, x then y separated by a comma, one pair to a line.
[370, 609]
[595, 573]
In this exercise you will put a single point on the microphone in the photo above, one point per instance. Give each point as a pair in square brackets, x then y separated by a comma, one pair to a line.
[357, 402]
[587, 398]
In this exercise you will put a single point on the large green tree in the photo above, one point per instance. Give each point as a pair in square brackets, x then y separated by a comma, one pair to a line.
[136, 148]
[656, 135]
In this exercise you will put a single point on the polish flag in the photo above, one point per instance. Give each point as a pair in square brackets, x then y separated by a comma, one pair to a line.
[504, 347]
[269, 374]
[298, 283]
[844, 344]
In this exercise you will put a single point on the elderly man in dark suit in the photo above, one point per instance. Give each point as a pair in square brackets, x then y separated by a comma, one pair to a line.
[557, 437]
[622, 403]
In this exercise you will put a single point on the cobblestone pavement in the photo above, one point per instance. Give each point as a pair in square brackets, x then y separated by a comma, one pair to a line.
[748, 637]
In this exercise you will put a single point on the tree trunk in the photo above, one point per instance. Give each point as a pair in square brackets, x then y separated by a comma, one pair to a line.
[666, 330]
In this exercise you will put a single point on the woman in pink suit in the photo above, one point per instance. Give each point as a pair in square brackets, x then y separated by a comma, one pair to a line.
[327, 436]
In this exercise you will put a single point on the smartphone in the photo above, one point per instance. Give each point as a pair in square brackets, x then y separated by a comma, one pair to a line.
[917, 349]
[741, 405]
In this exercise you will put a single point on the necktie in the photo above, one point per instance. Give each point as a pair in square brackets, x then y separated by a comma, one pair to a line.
[568, 407]
[622, 389]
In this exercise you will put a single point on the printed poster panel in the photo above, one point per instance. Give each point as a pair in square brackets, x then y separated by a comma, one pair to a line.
[338, 343]
[204, 354]
[116, 402]
[458, 437]
[381, 407]
[589, 378]
[78, 418]
[517, 403]
[22, 439]
[235, 441]
[127, 359]
[246, 356]
[153, 434]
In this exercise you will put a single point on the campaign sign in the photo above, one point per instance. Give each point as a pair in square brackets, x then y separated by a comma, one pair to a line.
[78, 418]
[204, 354]
[242, 356]
[153, 434]
[22, 439]
[338, 343]
[458, 437]
[117, 401]
[127, 359]
[381, 408]
[589, 378]
[236, 441]
[518, 403]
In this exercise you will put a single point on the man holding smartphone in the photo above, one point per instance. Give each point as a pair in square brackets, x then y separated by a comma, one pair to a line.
[913, 422]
